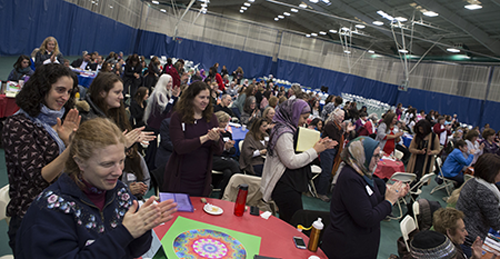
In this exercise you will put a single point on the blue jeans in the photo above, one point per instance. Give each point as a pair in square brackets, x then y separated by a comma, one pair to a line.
[327, 158]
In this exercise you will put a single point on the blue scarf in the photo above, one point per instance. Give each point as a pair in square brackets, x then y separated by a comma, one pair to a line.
[46, 119]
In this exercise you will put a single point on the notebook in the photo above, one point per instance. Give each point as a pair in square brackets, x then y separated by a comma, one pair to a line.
[182, 200]
[306, 139]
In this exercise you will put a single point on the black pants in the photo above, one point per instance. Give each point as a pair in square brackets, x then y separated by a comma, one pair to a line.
[406, 153]
[14, 225]
[228, 167]
[288, 200]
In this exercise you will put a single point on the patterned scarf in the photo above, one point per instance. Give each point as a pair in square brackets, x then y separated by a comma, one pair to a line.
[287, 119]
[46, 119]
[359, 155]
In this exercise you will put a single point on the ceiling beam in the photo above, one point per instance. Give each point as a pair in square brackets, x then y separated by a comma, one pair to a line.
[226, 3]
[482, 37]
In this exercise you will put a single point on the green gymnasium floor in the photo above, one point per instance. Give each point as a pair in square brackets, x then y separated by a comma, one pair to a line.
[390, 229]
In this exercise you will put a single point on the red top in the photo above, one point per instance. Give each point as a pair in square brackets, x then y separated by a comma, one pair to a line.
[218, 78]
[389, 144]
[176, 79]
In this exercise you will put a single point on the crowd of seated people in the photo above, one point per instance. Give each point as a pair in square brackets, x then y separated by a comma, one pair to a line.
[192, 120]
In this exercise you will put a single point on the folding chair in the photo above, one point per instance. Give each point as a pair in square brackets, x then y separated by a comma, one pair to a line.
[447, 184]
[416, 212]
[417, 188]
[216, 172]
[407, 225]
[316, 171]
[4, 200]
[405, 178]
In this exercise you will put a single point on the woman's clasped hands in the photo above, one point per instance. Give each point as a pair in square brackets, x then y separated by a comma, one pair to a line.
[395, 191]
[138, 135]
[324, 144]
[149, 216]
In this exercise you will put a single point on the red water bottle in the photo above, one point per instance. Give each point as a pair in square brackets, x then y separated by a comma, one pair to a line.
[241, 200]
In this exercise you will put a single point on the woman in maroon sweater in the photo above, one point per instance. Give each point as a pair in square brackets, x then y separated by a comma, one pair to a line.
[194, 132]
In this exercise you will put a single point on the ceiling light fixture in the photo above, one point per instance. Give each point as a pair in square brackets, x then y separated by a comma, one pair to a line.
[360, 26]
[345, 29]
[378, 23]
[244, 8]
[313, 1]
[276, 18]
[371, 51]
[281, 16]
[247, 4]
[155, 2]
[404, 51]
[401, 19]
[314, 34]
[308, 35]
[251, 1]
[347, 52]
[430, 14]
[204, 5]
[294, 10]
[322, 33]
[303, 5]
[286, 13]
[385, 15]
[473, 6]
[111, 6]
[163, 10]
[453, 50]
[333, 31]
[242, 11]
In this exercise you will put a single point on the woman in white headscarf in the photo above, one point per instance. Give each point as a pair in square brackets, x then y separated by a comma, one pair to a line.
[160, 103]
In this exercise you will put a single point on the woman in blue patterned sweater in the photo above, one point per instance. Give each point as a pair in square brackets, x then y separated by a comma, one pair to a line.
[88, 212]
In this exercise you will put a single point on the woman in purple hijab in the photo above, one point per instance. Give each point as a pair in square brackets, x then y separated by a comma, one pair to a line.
[287, 172]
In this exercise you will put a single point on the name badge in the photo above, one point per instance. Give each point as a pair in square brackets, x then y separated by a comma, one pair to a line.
[369, 190]
[266, 138]
[131, 177]
[183, 126]
[226, 139]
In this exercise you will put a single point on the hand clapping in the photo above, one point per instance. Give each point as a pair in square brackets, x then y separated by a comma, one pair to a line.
[149, 215]
[70, 125]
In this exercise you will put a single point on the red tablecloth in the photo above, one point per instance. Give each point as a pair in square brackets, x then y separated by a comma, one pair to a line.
[276, 234]
[7, 106]
[386, 168]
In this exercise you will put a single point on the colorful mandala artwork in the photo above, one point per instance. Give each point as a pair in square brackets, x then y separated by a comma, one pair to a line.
[205, 243]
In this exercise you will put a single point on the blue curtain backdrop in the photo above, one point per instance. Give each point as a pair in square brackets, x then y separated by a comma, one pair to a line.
[26, 23]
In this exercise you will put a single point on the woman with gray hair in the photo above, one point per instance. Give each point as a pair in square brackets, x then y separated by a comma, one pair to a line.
[295, 91]
[330, 159]
[250, 111]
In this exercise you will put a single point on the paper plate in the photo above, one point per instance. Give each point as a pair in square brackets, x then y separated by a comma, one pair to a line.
[212, 209]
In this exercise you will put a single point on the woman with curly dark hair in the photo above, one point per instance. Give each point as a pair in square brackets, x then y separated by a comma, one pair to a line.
[35, 139]
[21, 69]
[194, 131]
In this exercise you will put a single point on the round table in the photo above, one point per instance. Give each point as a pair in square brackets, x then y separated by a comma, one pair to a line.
[386, 168]
[8, 106]
[276, 235]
